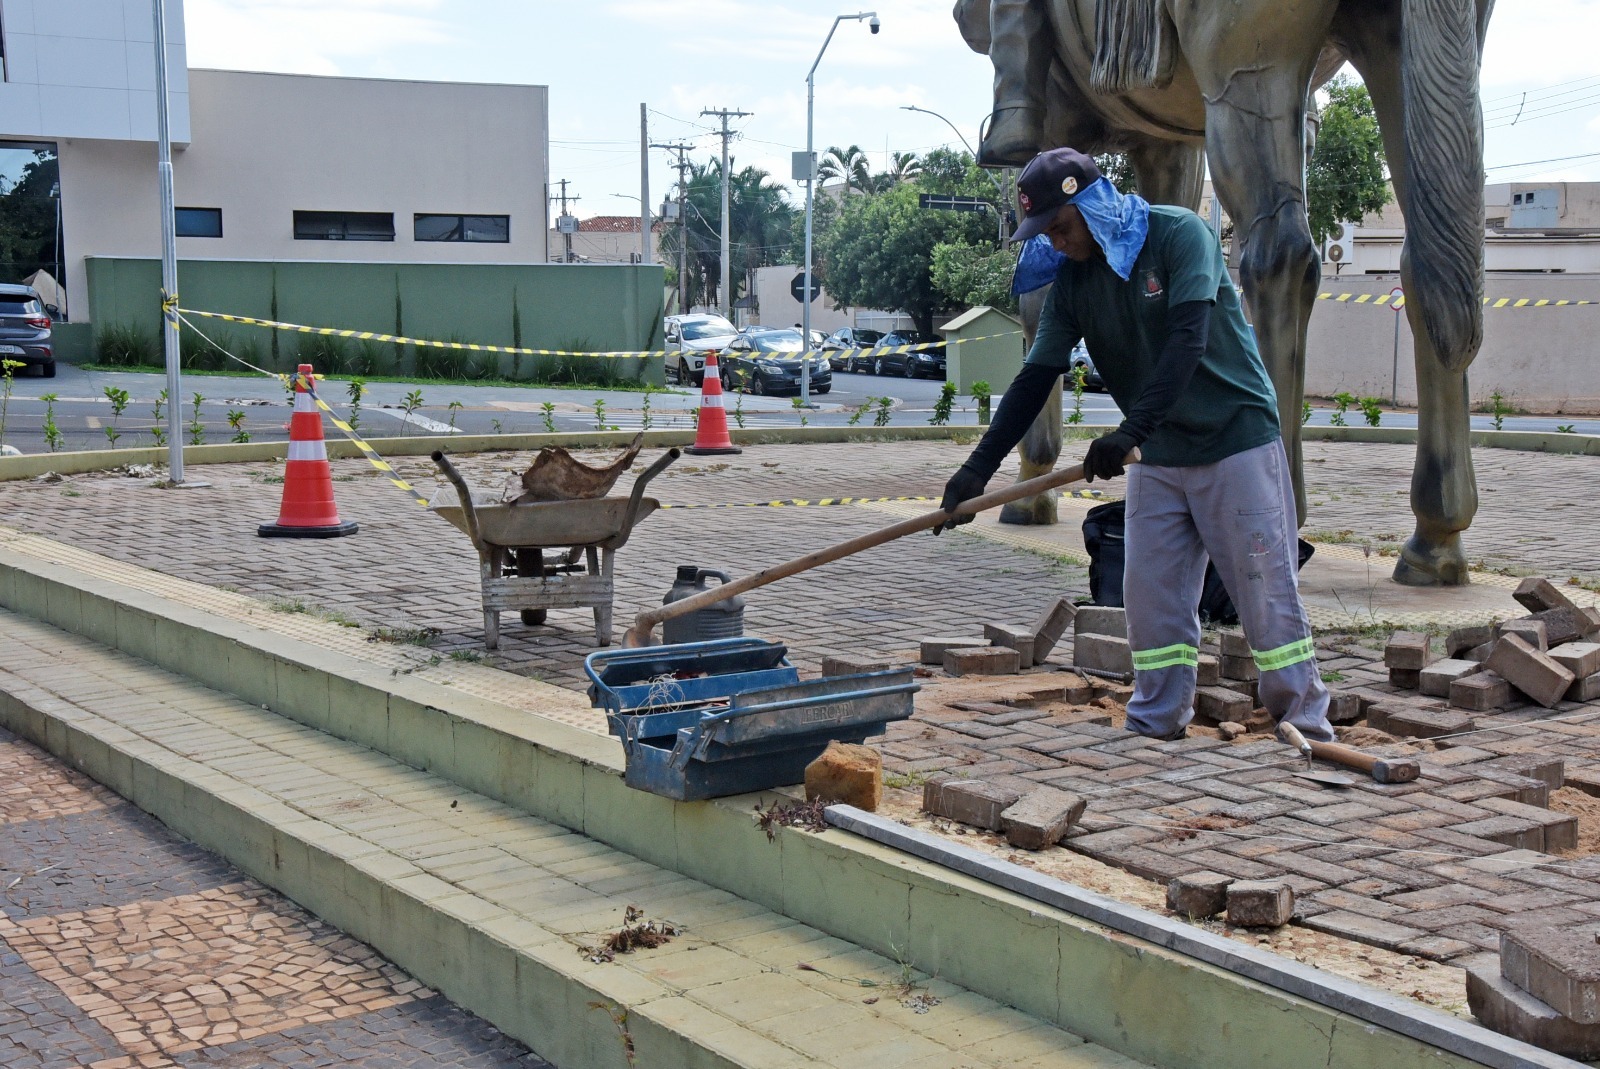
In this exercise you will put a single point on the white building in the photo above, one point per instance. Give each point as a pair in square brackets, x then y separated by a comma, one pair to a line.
[267, 167]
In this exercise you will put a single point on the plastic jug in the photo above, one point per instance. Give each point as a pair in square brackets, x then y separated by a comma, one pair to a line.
[724, 619]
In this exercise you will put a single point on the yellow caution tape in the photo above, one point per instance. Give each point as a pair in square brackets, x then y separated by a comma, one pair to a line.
[1397, 301]
[366, 450]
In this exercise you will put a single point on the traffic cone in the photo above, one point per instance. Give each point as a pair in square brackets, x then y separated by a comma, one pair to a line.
[711, 436]
[308, 510]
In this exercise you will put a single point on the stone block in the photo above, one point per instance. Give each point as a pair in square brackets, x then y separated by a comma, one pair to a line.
[851, 666]
[1463, 639]
[1562, 626]
[1479, 654]
[1250, 688]
[1230, 730]
[1102, 652]
[1405, 678]
[1413, 723]
[1015, 638]
[1198, 895]
[1051, 626]
[1260, 903]
[933, 649]
[1529, 670]
[1100, 620]
[982, 661]
[847, 773]
[1258, 721]
[1586, 780]
[1239, 668]
[1234, 644]
[1218, 704]
[1593, 616]
[1480, 693]
[1040, 818]
[1527, 629]
[1580, 658]
[967, 801]
[1344, 708]
[1537, 595]
[1407, 650]
[1208, 673]
[1586, 689]
[1435, 679]
[1500, 1005]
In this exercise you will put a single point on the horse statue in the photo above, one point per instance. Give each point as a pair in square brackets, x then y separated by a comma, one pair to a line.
[1173, 83]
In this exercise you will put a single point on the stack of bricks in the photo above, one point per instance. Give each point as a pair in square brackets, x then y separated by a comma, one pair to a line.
[1543, 989]
[1548, 656]
[1005, 649]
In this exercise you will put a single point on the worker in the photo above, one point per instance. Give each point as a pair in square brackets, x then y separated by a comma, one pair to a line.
[1147, 287]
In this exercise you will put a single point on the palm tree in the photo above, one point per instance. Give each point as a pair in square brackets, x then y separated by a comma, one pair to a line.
[849, 164]
[905, 166]
[758, 234]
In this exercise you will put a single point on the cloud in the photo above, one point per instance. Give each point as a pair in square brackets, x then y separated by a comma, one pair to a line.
[308, 36]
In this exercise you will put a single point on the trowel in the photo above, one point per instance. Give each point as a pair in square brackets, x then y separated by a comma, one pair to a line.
[1291, 734]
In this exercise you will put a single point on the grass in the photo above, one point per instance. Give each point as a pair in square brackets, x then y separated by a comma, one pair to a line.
[406, 636]
[299, 605]
[620, 385]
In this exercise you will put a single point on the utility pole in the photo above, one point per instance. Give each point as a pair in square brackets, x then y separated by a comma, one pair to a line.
[561, 220]
[725, 115]
[644, 186]
[169, 253]
[682, 151]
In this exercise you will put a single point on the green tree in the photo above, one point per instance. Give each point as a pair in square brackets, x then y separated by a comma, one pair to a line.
[847, 164]
[1347, 178]
[974, 275]
[28, 216]
[758, 234]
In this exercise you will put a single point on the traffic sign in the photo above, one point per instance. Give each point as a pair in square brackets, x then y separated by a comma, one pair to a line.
[949, 202]
[798, 287]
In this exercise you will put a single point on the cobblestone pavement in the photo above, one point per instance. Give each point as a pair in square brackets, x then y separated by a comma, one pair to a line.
[123, 946]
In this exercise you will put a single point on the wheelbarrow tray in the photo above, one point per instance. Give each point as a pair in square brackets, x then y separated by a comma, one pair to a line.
[544, 524]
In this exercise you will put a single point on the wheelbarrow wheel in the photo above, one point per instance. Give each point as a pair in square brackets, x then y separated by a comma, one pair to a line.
[534, 617]
[531, 562]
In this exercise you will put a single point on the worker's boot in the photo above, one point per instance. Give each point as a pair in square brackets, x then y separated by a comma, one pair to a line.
[1019, 48]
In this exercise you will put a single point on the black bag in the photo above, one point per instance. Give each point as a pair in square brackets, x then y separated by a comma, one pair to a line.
[1103, 537]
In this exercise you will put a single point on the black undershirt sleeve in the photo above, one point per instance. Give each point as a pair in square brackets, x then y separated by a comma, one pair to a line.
[1023, 401]
[1188, 326]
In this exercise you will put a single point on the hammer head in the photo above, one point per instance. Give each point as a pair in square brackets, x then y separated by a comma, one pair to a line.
[1396, 769]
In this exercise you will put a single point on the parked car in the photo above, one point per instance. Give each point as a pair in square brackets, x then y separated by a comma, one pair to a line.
[840, 346]
[25, 329]
[927, 362]
[1091, 378]
[692, 336]
[768, 360]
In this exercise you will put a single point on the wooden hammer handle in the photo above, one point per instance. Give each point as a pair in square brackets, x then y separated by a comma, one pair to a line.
[1344, 755]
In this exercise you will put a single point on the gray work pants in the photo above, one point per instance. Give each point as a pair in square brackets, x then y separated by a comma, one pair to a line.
[1239, 511]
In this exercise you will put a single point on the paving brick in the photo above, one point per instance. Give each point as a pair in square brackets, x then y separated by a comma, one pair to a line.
[1100, 620]
[850, 666]
[1241, 668]
[1480, 693]
[933, 649]
[1344, 708]
[1232, 643]
[1407, 650]
[1586, 689]
[967, 801]
[1537, 595]
[1563, 625]
[1560, 829]
[1427, 723]
[1208, 672]
[1016, 638]
[847, 773]
[1405, 678]
[1558, 966]
[1041, 817]
[1518, 788]
[1462, 639]
[1219, 704]
[1529, 670]
[1580, 658]
[1437, 948]
[1540, 766]
[1515, 832]
[982, 660]
[1501, 1005]
[1478, 654]
[1050, 626]
[1102, 652]
[1527, 629]
[1260, 903]
[1435, 679]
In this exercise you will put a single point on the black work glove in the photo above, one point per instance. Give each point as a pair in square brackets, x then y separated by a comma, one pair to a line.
[1105, 458]
[966, 484]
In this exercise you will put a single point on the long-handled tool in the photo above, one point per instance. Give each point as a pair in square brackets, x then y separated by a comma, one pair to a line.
[1381, 769]
[645, 623]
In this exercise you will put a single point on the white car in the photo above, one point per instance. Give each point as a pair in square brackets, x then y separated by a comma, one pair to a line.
[690, 337]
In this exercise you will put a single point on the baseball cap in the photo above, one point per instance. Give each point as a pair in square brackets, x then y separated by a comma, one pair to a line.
[1050, 180]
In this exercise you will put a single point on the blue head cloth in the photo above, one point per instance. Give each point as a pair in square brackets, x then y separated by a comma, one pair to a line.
[1119, 222]
[1037, 264]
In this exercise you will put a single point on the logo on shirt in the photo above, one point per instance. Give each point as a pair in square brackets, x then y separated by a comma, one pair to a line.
[1152, 287]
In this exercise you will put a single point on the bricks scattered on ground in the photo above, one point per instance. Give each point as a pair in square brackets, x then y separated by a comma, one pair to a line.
[1582, 659]
[933, 649]
[967, 801]
[1016, 638]
[1528, 630]
[1480, 692]
[1100, 620]
[1260, 903]
[1530, 670]
[1537, 594]
[1040, 818]
[1407, 650]
[982, 660]
[1052, 625]
[1462, 639]
[1198, 895]
[834, 665]
[1435, 679]
[847, 773]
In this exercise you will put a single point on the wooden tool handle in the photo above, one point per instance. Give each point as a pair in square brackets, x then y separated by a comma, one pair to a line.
[645, 622]
[1344, 755]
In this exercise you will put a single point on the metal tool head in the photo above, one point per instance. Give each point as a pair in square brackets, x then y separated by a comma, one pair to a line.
[1328, 779]
[1396, 769]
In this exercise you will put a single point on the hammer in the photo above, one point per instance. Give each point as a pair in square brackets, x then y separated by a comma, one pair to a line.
[1382, 769]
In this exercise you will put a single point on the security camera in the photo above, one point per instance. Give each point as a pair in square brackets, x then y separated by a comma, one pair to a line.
[874, 25]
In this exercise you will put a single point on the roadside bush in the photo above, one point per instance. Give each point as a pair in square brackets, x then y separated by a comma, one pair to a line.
[124, 345]
[327, 354]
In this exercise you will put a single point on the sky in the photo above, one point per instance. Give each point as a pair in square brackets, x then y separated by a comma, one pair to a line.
[602, 58]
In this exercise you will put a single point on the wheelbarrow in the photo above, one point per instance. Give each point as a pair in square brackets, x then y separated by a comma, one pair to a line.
[560, 551]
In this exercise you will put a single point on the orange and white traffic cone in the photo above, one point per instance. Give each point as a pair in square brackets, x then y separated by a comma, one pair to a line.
[711, 436]
[308, 510]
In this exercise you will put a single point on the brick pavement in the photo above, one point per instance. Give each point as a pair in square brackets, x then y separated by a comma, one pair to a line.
[122, 945]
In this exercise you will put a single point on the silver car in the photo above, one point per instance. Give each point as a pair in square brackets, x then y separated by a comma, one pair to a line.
[25, 329]
[690, 337]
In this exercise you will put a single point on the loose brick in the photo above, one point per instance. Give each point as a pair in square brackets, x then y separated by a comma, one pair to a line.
[1407, 650]
[982, 661]
[1208, 673]
[1593, 616]
[933, 649]
[1405, 678]
[847, 773]
[1463, 639]
[1558, 966]
[1562, 626]
[1260, 903]
[1478, 654]
[1234, 644]
[1230, 730]
[967, 801]
[1243, 668]
[1344, 708]
[1586, 689]
[1051, 626]
[1529, 670]
[1220, 704]
[1198, 894]
[1580, 658]
[1426, 723]
[1527, 629]
[1537, 595]
[1499, 1004]
[1480, 693]
[1100, 620]
[1435, 679]
[1040, 818]
[1102, 652]
[850, 666]
[1015, 638]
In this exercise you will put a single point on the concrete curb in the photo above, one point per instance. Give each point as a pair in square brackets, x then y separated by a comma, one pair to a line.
[1131, 993]
[1522, 441]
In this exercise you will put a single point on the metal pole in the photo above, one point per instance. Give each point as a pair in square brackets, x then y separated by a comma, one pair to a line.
[169, 255]
[644, 186]
[1394, 374]
[723, 246]
[1000, 186]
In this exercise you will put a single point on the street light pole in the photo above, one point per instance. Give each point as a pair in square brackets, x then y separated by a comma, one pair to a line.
[811, 182]
[169, 254]
[998, 185]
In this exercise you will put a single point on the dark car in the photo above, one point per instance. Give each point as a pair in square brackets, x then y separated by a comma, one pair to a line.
[769, 360]
[925, 361]
[843, 347]
[25, 329]
[1091, 378]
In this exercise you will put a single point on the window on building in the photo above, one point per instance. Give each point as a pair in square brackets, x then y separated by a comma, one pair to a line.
[344, 226]
[199, 222]
[492, 228]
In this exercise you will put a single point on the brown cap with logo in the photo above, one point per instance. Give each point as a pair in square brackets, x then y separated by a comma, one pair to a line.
[1050, 180]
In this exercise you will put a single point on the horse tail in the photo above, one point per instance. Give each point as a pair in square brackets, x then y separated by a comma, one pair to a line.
[1439, 58]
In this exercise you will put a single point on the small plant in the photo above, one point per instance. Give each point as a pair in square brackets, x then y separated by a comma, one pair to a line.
[881, 417]
[454, 407]
[1561, 428]
[600, 413]
[1498, 406]
[800, 410]
[1079, 378]
[944, 405]
[644, 412]
[157, 431]
[1341, 404]
[496, 425]
[862, 409]
[738, 411]
[52, 434]
[119, 405]
[197, 429]
[1305, 413]
[547, 409]
[7, 367]
[1371, 409]
[412, 402]
[982, 394]
[470, 656]
[236, 421]
[357, 389]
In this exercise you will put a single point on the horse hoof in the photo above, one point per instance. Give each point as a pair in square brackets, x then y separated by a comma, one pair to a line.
[1424, 563]
[1012, 139]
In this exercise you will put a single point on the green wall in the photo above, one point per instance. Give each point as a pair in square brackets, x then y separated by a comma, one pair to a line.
[592, 307]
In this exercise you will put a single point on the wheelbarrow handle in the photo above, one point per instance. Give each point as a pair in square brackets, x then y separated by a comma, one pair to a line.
[465, 494]
[632, 514]
[640, 633]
